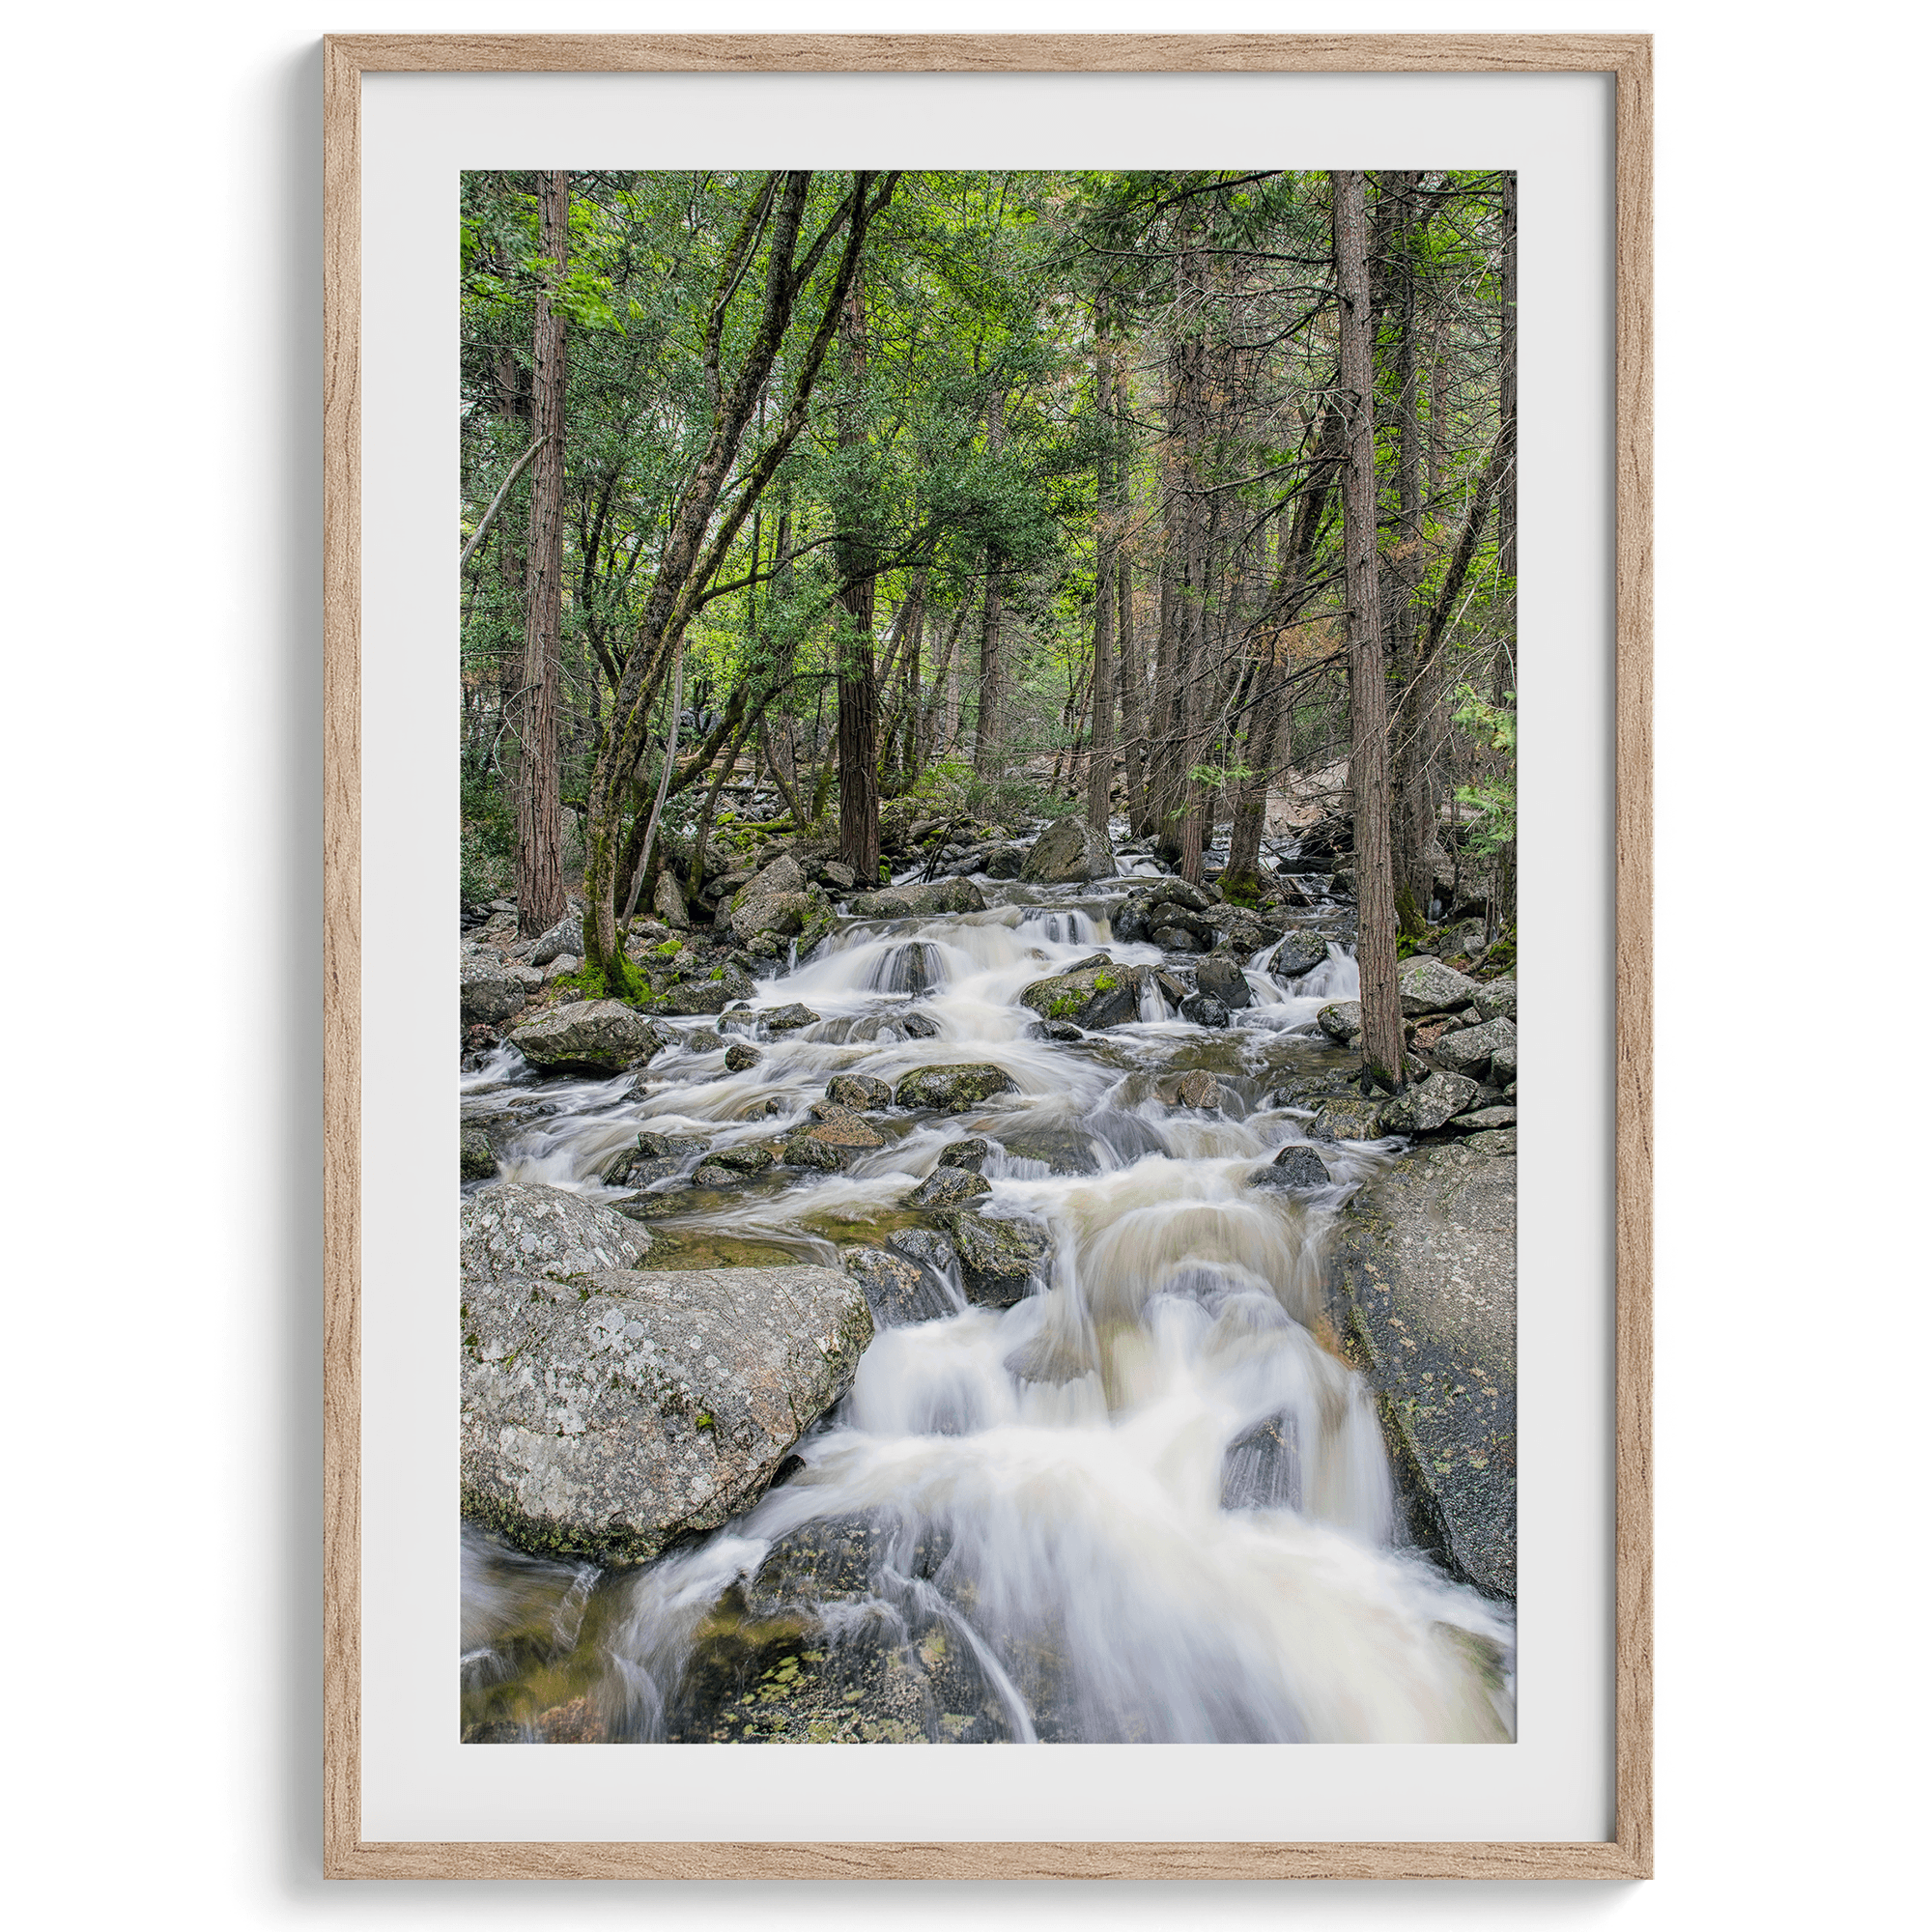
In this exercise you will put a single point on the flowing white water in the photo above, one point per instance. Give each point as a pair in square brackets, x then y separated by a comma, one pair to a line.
[1158, 1496]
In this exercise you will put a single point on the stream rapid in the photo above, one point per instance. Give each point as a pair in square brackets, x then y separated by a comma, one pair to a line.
[1148, 1502]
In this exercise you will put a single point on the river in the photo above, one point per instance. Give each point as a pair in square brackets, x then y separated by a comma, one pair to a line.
[1148, 1503]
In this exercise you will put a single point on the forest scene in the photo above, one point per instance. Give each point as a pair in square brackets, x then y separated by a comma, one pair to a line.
[987, 980]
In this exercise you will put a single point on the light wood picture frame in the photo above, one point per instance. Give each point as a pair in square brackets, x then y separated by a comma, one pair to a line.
[1627, 59]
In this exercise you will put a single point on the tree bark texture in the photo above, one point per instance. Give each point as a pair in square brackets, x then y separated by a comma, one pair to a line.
[539, 810]
[1368, 689]
[1100, 738]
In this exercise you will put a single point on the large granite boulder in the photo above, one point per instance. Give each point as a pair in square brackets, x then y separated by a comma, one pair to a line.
[608, 1414]
[1091, 997]
[779, 903]
[1422, 1279]
[587, 1036]
[489, 989]
[1427, 986]
[525, 1229]
[1496, 1000]
[953, 1089]
[1068, 853]
[1427, 1104]
[668, 901]
[691, 998]
[1469, 1049]
[920, 902]
[1349, 1118]
[565, 936]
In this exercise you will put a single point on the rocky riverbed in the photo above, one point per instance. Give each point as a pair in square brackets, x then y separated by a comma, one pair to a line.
[985, 1309]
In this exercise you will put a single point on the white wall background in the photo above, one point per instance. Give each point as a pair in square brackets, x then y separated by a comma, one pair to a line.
[161, 469]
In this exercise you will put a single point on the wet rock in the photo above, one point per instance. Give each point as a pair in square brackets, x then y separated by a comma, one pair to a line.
[632, 1169]
[489, 991]
[916, 1026]
[997, 1259]
[1427, 986]
[858, 1091]
[671, 1147]
[1068, 852]
[584, 1037]
[1342, 1021]
[657, 1037]
[947, 1188]
[1430, 1104]
[709, 1173]
[609, 1415]
[1422, 1277]
[1059, 1150]
[480, 1157]
[1482, 1118]
[1496, 1001]
[690, 998]
[1223, 979]
[920, 902]
[1065, 1032]
[787, 1019]
[922, 1245]
[1469, 1049]
[1195, 1088]
[968, 1153]
[897, 1290]
[740, 1057]
[1348, 1119]
[1296, 1165]
[1203, 1009]
[832, 1142]
[1298, 954]
[565, 936]
[742, 1159]
[1177, 939]
[1087, 997]
[953, 1089]
[1261, 1469]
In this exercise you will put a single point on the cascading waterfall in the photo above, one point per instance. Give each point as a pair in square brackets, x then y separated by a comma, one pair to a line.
[1150, 1501]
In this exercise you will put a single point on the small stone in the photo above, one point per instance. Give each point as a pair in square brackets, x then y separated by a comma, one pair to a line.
[947, 1188]
[739, 1058]
[1342, 1021]
[1298, 954]
[1198, 1089]
[1353, 1118]
[969, 1153]
[953, 1089]
[710, 1174]
[480, 1157]
[859, 1091]
[1171, 939]
[1224, 981]
[1203, 1009]
[1296, 1165]
[743, 1159]
[785, 1019]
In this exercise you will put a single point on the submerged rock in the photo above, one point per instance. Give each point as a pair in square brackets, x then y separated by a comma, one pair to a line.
[605, 1417]
[1298, 954]
[1423, 1278]
[953, 1089]
[1296, 1165]
[997, 1259]
[1224, 981]
[1068, 852]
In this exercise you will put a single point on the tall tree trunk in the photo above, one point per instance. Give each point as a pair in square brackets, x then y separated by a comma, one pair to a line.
[1133, 700]
[1100, 741]
[1368, 692]
[539, 810]
[1414, 828]
[857, 561]
[1502, 910]
[987, 731]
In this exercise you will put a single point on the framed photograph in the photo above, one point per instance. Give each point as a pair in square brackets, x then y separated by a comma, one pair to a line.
[1049, 650]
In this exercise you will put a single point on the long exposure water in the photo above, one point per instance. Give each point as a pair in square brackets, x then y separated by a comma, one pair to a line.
[1148, 1502]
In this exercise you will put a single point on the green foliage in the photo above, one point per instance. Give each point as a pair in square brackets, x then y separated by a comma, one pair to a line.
[488, 840]
[1492, 799]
